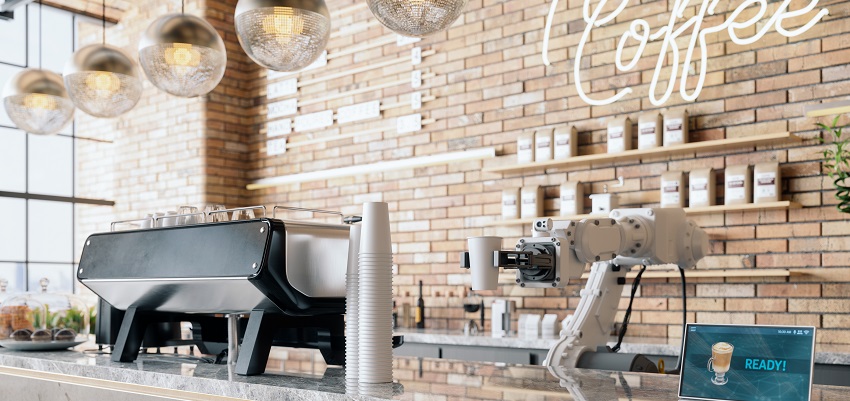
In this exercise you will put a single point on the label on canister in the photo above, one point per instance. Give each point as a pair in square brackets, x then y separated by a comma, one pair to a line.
[674, 130]
[766, 185]
[646, 134]
[670, 193]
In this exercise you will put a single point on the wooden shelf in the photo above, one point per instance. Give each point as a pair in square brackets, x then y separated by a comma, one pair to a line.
[373, 168]
[702, 146]
[828, 109]
[781, 205]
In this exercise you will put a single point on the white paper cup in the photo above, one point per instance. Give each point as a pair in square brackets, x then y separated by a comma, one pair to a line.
[382, 259]
[381, 274]
[384, 269]
[484, 275]
[375, 237]
[353, 248]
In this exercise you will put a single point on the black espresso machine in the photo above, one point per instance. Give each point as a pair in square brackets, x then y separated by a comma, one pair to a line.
[288, 275]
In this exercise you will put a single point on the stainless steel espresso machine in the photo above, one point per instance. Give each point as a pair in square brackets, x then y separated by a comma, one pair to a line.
[288, 275]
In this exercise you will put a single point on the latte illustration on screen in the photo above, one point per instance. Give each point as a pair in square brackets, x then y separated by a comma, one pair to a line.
[721, 359]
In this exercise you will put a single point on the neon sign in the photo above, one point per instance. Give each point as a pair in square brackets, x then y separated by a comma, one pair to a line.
[640, 31]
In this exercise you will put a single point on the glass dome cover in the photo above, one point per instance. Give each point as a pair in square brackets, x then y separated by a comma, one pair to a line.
[183, 55]
[283, 35]
[37, 102]
[417, 18]
[102, 81]
[48, 317]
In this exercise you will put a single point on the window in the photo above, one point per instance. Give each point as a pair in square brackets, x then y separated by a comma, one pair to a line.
[38, 198]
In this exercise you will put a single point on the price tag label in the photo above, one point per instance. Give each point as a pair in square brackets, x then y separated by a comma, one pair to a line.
[279, 127]
[276, 147]
[416, 55]
[359, 112]
[283, 88]
[416, 100]
[416, 78]
[409, 123]
[282, 108]
[313, 121]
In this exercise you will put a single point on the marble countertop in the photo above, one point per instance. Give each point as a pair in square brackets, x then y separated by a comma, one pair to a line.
[416, 379]
[829, 354]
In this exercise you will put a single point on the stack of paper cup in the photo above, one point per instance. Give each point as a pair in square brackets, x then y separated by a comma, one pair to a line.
[376, 296]
[351, 310]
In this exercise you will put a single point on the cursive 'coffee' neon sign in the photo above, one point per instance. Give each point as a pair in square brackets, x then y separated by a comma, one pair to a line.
[639, 31]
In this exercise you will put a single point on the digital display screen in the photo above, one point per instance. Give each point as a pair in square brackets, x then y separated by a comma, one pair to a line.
[747, 363]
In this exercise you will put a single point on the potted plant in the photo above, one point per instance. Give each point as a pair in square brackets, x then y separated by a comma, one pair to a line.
[836, 160]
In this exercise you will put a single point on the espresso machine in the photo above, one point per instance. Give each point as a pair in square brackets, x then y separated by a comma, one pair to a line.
[288, 277]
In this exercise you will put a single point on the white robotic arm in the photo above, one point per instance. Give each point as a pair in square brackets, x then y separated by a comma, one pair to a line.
[558, 252]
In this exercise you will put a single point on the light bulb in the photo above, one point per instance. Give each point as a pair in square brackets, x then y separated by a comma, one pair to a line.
[283, 24]
[103, 83]
[182, 58]
[39, 102]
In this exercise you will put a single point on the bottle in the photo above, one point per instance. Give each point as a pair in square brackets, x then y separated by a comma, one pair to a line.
[420, 309]
[395, 316]
[406, 316]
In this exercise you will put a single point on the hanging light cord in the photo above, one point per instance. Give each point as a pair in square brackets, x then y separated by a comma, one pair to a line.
[103, 18]
[39, 34]
[182, 6]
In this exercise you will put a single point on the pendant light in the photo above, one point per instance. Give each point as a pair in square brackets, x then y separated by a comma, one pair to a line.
[36, 100]
[102, 80]
[283, 35]
[417, 18]
[183, 55]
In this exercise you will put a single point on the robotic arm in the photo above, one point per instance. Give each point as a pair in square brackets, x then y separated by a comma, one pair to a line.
[558, 252]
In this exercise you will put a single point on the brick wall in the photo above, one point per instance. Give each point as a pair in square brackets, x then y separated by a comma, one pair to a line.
[490, 85]
[168, 150]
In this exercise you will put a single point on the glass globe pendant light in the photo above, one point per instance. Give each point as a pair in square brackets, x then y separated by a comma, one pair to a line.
[417, 18]
[102, 80]
[36, 100]
[283, 35]
[183, 55]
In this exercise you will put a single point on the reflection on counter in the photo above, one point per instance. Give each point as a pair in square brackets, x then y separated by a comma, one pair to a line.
[832, 361]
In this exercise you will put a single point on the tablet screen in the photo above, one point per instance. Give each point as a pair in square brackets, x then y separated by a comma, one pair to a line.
[747, 363]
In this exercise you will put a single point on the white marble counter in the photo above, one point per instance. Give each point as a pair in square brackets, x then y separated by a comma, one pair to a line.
[416, 379]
